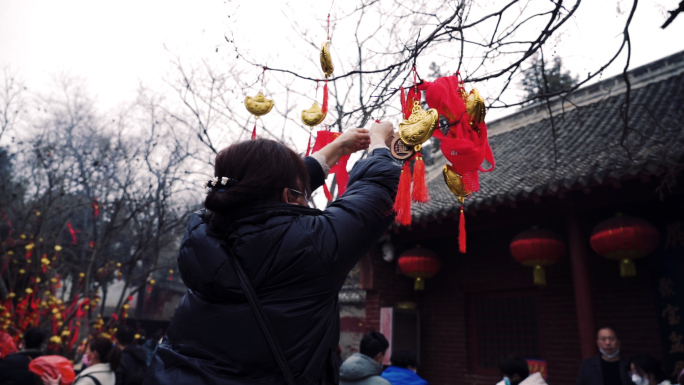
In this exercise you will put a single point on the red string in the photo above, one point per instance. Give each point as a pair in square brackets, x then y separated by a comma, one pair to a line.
[415, 79]
[263, 75]
[328, 28]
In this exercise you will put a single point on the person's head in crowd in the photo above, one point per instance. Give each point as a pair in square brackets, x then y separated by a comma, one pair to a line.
[404, 359]
[101, 350]
[374, 345]
[253, 170]
[125, 335]
[608, 343]
[646, 370]
[34, 338]
[514, 369]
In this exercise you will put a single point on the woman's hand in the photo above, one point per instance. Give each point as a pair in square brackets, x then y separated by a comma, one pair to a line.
[47, 380]
[352, 140]
[381, 134]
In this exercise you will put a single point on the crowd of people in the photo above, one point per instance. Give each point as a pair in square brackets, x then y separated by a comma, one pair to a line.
[121, 360]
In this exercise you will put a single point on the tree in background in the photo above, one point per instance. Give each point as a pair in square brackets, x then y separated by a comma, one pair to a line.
[542, 79]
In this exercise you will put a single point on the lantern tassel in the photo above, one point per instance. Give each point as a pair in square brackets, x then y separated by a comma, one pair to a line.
[462, 233]
[419, 285]
[402, 203]
[627, 268]
[254, 131]
[539, 276]
[420, 191]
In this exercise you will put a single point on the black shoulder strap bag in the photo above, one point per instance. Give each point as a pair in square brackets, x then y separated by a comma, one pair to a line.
[262, 318]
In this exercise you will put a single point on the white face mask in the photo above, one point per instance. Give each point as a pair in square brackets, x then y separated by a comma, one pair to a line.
[638, 380]
[610, 356]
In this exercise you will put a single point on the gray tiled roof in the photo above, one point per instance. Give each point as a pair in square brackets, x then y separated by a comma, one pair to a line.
[588, 130]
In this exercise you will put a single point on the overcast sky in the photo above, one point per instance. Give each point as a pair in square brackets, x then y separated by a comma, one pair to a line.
[114, 45]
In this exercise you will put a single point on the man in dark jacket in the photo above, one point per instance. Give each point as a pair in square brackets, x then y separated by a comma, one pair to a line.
[14, 368]
[131, 370]
[295, 257]
[365, 367]
[607, 368]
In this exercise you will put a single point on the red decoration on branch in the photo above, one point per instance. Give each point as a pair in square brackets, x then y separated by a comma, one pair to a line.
[625, 239]
[323, 138]
[73, 232]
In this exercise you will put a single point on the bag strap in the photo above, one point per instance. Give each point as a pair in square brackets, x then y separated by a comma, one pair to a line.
[262, 318]
[93, 378]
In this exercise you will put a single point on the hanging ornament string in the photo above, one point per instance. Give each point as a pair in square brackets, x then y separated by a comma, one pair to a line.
[328, 35]
[258, 105]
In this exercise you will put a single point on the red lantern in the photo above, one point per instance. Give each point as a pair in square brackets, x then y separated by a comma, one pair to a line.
[420, 264]
[624, 239]
[537, 248]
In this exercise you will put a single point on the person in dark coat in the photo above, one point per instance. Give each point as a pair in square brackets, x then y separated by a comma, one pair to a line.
[608, 368]
[14, 368]
[295, 257]
[133, 366]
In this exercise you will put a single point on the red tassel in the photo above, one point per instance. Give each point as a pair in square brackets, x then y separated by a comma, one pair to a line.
[420, 191]
[254, 132]
[328, 195]
[308, 146]
[324, 109]
[402, 203]
[461, 233]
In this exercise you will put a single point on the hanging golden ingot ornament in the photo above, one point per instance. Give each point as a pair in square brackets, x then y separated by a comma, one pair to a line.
[313, 116]
[258, 105]
[455, 183]
[475, 105]
[326, 59]
[419, 127]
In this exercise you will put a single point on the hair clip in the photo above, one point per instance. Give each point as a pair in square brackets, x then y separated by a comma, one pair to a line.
[223, 181]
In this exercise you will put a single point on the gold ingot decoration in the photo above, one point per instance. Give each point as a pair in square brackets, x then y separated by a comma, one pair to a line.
[475, 105]
[313, 116]
[419, 126]
[326, 59]
[258, 105]
[455, 183]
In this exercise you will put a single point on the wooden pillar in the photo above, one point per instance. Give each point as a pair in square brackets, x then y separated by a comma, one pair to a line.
[581, 281]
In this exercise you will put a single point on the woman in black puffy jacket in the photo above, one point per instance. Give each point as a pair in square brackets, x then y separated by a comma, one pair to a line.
[295, 257]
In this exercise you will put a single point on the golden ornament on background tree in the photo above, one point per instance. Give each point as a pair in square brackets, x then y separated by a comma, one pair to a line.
[419, 127]
[258, 105]
[326, 59]
[455, 183]
[313, 116]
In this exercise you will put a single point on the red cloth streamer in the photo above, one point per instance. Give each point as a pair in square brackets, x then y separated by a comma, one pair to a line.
[402, 203]
[96, 208]
[461, 233]
[73, 232]
[9, 223]
[324, 109]
[254, 131]
[323, 138]
[420, 190]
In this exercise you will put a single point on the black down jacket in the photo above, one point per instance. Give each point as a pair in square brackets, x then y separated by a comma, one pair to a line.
[297, 259]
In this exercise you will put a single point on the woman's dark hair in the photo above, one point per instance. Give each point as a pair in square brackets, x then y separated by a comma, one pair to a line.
[260, 170]
[373, 343]
[108, 352]
[648, 365]
[404, 359]
[34, 338]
